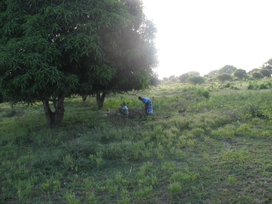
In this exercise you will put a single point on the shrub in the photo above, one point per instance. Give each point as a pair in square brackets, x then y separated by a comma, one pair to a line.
[175, 188]
[227, 85]
[263, 86]
[203, 92]
[252, 86]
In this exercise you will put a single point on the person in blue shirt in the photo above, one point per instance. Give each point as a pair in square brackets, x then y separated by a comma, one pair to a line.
[148, 105]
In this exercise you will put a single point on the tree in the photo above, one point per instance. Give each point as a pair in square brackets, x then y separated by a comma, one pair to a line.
[212, 73]
[50, 50]
[195, 80]
[257, 75]
[224, 77]
[173, 79]
[227, 69]
[252, 71]
[240, 73]
[135, 58]
[266, 72]
[183, 77]
[155, 81]
[193, 73]
[268, 65]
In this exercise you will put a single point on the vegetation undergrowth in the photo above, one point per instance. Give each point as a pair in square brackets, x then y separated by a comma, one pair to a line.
[202, 145]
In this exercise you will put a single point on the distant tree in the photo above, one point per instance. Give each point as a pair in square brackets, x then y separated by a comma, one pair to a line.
[227, 69]
[183, 77]
[240, 73]
[268, 64]
[193, 73]
[252, 71]
[173, 79]
[257, 75]
[50, 50]
[224, 77]
[195, 80]
[212, 73]
[266, 72]
[155, 81]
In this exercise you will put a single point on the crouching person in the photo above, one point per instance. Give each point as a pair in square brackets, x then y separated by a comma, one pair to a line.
[123, 111]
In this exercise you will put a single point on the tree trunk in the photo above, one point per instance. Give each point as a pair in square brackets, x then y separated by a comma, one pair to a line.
[84, 97]
[54, 118]
[100, 99]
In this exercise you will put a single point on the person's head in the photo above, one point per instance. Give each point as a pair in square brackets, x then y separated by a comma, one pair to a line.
[140, 98]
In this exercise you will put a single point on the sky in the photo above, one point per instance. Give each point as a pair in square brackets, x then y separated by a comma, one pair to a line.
[205, 35]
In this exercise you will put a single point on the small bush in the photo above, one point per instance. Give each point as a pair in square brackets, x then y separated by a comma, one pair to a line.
[265, 85]
[175, 188]
[253, 86]
[227, 85]
[203, 92]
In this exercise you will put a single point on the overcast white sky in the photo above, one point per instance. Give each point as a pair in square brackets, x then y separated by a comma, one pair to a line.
[205, 35]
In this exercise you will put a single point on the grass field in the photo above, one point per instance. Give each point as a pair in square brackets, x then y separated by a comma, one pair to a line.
[204, 144]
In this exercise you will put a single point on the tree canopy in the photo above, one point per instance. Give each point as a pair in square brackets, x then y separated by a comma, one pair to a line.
[268, 65]
[266, 72]
[212, 73]
[224, 77]
[183, 77]
[240, 73]
[257, 75]
[50, 50]
[194, 79]
[227, 69]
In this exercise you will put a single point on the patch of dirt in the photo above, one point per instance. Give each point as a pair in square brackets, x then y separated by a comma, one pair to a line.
[136, 113]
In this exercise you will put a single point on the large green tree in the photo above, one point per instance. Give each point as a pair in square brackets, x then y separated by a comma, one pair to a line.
[51, 49]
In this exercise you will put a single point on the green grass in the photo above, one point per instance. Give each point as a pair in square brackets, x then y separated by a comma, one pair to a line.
[204, 144]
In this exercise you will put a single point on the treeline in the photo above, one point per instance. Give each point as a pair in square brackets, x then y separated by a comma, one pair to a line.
[226, 73]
